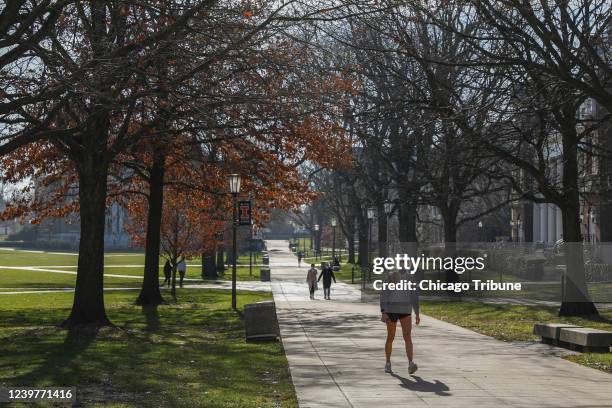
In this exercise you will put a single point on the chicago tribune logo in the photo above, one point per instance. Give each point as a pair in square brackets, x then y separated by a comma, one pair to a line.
[406, 263]
[412, 264]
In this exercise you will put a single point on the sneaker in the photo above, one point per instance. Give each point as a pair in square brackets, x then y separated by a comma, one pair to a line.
[388, 367]
[412, 367]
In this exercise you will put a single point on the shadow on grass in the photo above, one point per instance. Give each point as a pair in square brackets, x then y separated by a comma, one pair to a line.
[151, 315]
[76, 342]
[186, 354]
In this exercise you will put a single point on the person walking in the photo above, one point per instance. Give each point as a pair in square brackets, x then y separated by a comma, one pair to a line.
[167, 273]
[398, 305]
[327, 274]
[182, 270]
[299, 256]
[311, 279]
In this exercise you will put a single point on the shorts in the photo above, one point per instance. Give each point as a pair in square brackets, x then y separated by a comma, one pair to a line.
[394, 317]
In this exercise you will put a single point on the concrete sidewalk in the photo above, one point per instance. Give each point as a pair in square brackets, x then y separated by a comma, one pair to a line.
[336, 357]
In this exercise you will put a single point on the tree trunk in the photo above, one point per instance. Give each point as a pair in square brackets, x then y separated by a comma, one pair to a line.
[450, 244]
[528, 221]
[407, 216]
[173, 281]
[382, 231]
[149, 293]
[576, 300]
[220, 263]
[351, 251]
[209, 268]
[88, 305]
[350, 239]
[362, 232]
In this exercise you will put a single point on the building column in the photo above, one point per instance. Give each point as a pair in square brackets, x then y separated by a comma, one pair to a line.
[536, 223]
[552, 233]
[543, 222]
[559, 224]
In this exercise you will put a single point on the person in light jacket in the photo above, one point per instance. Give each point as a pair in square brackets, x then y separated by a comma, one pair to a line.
[398, 305]
[311, 279]
[182, 270]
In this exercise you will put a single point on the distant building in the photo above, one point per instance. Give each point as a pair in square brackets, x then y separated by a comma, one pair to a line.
[64, 232]
[543, 222]
[11, 226]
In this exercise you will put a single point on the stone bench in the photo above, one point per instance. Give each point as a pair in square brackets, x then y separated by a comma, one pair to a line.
[574, 337]
[260, 322]
[586, 339]
[550, 332]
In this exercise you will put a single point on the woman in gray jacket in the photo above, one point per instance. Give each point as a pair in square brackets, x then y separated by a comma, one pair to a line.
[398, 304]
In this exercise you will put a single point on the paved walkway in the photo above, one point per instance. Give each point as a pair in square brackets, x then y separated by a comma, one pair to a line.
[336, 358]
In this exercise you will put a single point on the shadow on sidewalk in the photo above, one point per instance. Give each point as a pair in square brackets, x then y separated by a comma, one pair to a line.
[420, 385]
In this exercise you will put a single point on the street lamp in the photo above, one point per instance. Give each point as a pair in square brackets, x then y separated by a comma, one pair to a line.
[388, 206]
[304, 238]
[316, 238]
[234, 185]
[334, 223]
[480, 225]
[370, 213]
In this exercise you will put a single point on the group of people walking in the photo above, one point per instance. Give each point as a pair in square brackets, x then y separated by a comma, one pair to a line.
[327, 273]
[181, 268]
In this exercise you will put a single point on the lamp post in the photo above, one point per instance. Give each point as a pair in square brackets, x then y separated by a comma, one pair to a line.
[234, 184]
[370, 213]
[388, 206]
[316, 241]
[334, 223]
[480, 225]
[251, 251]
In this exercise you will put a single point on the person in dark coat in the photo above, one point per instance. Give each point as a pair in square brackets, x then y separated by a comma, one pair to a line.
[167, 273]
[327, 274]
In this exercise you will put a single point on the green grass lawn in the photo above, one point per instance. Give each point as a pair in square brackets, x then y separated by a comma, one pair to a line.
[10, 278]
[303, 243]
[115, 264]
[188, 354]
[515, 323]
[244, 259]
[242, 273]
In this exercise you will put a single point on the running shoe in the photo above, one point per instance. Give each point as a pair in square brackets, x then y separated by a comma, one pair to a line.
[388, 367]
[412, 367]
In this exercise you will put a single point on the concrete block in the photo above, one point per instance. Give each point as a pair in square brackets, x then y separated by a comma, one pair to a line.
[550, 330]
[260, 322]
[590, 339]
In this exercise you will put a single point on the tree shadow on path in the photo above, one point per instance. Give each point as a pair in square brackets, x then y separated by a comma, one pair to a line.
[420, 385]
